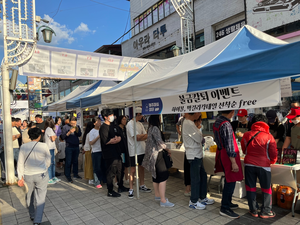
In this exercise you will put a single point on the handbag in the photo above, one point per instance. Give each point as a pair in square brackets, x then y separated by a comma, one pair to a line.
[168, 159]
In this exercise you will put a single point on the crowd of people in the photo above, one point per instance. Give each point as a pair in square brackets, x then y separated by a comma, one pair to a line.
[111, 154]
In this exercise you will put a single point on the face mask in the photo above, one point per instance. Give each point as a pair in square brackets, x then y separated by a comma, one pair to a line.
[111, 119]
[295, 121]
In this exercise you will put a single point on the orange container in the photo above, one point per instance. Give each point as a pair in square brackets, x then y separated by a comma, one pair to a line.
[285, 197]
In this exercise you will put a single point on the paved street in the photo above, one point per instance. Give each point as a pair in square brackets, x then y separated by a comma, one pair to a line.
[80, 203]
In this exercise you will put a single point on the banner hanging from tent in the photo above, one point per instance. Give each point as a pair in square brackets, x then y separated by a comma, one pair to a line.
[73, 64]
[255, 95]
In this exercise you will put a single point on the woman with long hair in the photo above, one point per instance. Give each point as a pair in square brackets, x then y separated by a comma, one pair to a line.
[88, 163]
[49, 139]
[154, 161]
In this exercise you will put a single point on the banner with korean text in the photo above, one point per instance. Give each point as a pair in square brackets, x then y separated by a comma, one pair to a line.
[73, 64]
[263, 94]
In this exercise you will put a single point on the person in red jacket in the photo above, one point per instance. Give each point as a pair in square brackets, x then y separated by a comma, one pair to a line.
[260, 149]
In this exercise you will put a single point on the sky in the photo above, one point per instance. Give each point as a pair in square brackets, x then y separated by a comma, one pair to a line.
[83, 24]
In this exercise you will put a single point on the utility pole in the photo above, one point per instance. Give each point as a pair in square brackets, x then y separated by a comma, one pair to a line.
[19, 34]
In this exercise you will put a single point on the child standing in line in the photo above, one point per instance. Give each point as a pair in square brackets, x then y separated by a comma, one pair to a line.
[61, 152]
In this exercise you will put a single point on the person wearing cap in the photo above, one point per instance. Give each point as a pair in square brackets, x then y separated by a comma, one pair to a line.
[293, 133]
[276, 128]
[259, 146]
[141, 137]
[241, 125]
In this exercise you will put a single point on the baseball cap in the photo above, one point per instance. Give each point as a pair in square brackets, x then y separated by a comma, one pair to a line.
[294, 112]
[271, 115]
[242, 112]
[138, 110]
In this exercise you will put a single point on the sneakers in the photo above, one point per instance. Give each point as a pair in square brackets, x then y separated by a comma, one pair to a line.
[113, 194]
[196, 205]
[187, 194]
[265, 215]
[56, 179]
[123, 189]
[229, 213]
[206, 201]
[143, 188]
[253, 213]
[130, 194]
[69, 179]
[167, 204]
[99, 186]
[234, 206]
[51, 181]
[77, 177]
[91, 182]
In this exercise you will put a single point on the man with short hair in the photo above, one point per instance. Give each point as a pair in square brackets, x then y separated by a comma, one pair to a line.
[192, 139]
[40, 124]
[227, 161]
[111, 152]
[15, 135]
[71, 133]
[18, 124]
[141, 136]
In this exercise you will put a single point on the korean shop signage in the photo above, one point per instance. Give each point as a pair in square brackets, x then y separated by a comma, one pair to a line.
[149, 39]
[229, 29]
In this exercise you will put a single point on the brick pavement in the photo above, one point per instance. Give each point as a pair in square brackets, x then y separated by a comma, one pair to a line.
[80, 203]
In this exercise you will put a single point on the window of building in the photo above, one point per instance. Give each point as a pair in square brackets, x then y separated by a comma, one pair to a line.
[163, 54]
[285, 29]
[68, 91]
[152, 15]
[199, 41]
[161, 10]
[155, 14]
[167, 7]
[61, 95]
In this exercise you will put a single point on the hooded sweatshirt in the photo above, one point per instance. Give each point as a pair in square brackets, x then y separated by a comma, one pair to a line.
[262, 150]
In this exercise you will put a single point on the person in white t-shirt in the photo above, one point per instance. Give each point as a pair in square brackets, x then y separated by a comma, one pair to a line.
[94, 139]
[141, 137]
[16, 148]
[49, 139]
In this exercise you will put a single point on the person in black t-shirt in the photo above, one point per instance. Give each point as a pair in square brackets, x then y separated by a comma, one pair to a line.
[242, 124]
[276, 129]
[111, 152]
[40, 124]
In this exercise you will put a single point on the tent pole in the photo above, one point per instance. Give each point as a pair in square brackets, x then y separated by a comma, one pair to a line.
[135, 154]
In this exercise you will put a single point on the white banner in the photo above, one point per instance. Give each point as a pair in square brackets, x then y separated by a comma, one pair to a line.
[73, 64]
[19, 104]
[265, 15]
[79, 115]
[263, 94]
[286, 87]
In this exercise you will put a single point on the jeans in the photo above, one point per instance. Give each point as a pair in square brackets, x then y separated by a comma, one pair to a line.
[198, 180]
[36, 195]
[264, 176]
[227, 194]
[16, 157]
[51, 168]
[72, 154]
[97, 167]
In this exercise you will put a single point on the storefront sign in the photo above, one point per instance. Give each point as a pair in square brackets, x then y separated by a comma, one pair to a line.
[256, 95]
[71, 64]
[229, 29]
[265, 15]
[144, 42]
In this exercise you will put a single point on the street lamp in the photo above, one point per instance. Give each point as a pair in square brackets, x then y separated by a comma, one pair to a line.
[176, 50]
[47, 33]
[19, 37]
